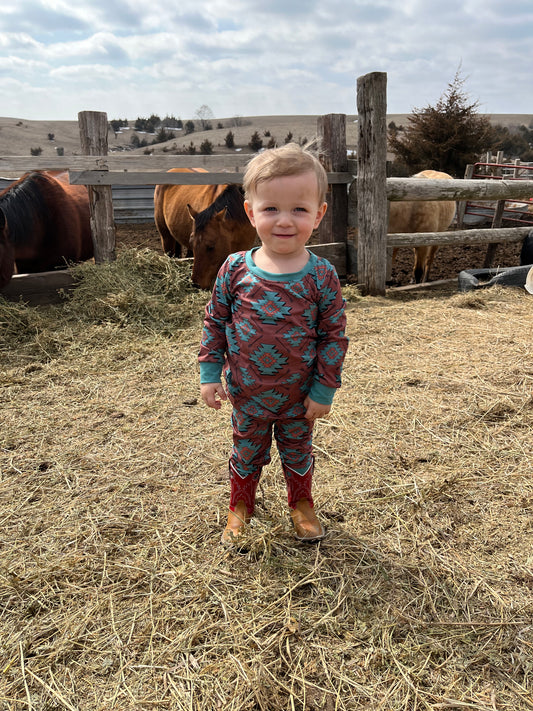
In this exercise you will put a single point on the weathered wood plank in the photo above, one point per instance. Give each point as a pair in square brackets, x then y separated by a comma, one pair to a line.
[371, 182]
[418, 189]
[120, 162]
[331, 130]
[104, 177]
[37, 289]
[417, 239]
[93, 137]
[94, 177]
[423, 285]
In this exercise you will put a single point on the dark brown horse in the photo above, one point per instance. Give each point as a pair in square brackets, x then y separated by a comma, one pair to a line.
[44, 223]
[209, 221]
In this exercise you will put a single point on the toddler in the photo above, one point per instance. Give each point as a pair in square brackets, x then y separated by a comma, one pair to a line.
[275, 326]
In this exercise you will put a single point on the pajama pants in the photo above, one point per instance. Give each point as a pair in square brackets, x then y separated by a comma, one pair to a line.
[252, 440]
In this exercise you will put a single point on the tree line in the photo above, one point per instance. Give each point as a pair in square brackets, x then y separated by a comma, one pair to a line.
[163, 130]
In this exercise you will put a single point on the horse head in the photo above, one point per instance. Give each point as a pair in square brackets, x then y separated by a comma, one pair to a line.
[211, 242]
[7, 253]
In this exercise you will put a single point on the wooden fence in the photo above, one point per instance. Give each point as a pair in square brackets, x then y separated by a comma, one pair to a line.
[361, 200]
[101, 172]
[371, 191]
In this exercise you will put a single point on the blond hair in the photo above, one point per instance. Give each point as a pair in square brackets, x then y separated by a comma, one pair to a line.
[290, 159]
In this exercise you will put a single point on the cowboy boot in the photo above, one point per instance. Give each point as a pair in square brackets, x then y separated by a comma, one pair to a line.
[307, 527]
[235, 526]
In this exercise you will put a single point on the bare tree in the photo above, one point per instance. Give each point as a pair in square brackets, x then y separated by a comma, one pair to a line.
[205, 116]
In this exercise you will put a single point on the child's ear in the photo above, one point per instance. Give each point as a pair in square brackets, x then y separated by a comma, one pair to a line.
[249, 211]
[320, 214]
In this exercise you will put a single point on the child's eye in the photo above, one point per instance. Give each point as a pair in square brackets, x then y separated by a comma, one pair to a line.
[300, 209]
[270, 209]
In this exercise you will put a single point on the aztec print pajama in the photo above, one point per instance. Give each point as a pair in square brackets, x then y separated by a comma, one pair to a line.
[276, 338]
[252, 439]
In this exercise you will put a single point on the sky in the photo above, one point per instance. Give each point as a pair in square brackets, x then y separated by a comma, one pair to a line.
[258, 57]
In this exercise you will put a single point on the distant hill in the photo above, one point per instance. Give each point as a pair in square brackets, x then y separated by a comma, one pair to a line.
[18, 136]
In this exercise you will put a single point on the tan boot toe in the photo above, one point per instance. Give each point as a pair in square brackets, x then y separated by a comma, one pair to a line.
[237, 521]
[307, 527]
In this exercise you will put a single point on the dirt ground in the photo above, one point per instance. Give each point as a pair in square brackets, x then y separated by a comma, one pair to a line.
[449, 261]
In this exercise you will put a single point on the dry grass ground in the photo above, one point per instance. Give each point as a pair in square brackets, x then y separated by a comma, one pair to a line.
[114, 590]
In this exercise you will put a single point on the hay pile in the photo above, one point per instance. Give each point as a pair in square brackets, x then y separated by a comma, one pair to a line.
[114, 591]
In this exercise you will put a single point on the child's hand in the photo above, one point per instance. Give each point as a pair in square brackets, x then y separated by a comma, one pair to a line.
[212, 393]
[314, 410]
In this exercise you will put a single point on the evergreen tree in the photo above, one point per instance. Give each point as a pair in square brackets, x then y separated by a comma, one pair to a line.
[163, 135]
[256, 142]
[230, 140]
[446, 137]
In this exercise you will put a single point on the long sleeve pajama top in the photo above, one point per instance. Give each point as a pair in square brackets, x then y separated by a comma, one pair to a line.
[277, 337]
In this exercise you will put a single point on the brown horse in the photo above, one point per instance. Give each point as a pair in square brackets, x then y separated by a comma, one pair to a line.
[44, 223]
[209, 221]
[422, 216]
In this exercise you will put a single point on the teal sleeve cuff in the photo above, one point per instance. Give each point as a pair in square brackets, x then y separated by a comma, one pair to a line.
[321, 393]
[210, 373]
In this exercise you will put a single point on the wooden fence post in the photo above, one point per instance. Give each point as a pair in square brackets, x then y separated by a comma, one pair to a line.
[93, 136]
[372, 208]
[461, 204]
[331, 131]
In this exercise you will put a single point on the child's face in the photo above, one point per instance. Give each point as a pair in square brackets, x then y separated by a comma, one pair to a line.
[285, 211]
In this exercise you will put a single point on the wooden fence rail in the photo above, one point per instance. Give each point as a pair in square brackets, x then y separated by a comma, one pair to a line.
[457, 237]
[420, 189]
[98, 177]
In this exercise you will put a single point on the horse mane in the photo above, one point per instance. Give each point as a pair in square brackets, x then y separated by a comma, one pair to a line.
[22, 203]
[232, 199]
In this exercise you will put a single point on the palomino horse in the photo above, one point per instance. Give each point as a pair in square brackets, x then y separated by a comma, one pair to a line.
[422, 216]
[209, 221]
[44, 223]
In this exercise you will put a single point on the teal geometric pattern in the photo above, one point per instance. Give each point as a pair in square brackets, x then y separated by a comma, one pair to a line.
[271, 308]
[233, 343]
[328, 297]
[247, 376]
[248, 450]
[268, 360]
[270, 401]
[294, 337]
[310, 315]
[332, 354]
[245, 330]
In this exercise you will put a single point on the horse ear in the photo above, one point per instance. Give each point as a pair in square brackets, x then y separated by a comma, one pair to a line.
[192, 212]
[222, 213]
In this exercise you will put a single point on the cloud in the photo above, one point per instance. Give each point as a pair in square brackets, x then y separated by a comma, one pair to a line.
[250, 57]
[41, 18]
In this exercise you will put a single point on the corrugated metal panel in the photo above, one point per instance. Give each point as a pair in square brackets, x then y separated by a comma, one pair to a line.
[133, 205]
